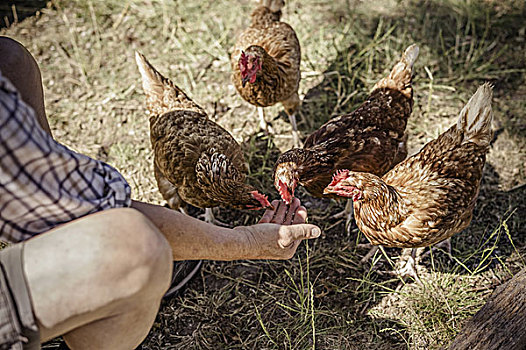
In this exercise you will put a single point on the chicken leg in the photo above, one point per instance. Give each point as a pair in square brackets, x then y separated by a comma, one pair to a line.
[291, 106]
[411, 266]
[210, 218]
[263, 124]
[295, 134]
[372, 251]
[347, 213]
[444, 244]
[412, 258]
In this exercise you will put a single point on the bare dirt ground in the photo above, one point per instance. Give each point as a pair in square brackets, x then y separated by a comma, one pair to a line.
[324, 298]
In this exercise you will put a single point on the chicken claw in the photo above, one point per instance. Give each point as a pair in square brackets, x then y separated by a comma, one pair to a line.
[410, 268]
[210, 218]
[347, 213]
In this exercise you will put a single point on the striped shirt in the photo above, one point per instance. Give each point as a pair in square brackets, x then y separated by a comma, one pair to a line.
[43, 183]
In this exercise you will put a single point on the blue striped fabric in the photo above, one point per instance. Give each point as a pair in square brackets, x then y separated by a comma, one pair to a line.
[43, 183]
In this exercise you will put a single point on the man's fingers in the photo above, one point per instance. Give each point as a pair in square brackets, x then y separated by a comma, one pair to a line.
[294, 205]
[291, 233]
[301, 216]
[269, 214]
[279, 217]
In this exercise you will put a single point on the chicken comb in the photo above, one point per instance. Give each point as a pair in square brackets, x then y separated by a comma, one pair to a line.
[243, 58]
[261, 198]
[243, 61]
[338, 176]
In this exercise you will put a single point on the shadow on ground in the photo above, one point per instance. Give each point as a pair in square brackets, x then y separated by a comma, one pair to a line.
[15, 11]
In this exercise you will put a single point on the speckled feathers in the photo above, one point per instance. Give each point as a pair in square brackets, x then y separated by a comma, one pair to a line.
[430, 196]
[371, 138]
[278, 46]
[195, 160]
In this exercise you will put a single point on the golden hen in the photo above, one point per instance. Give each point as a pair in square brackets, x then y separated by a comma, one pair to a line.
[371, 138]
[195, 160]
[430, 196]
[266, 63]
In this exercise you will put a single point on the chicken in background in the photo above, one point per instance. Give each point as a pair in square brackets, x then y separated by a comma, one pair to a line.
[196, 161]
[430, 196]
[371, 138]
[266, 63]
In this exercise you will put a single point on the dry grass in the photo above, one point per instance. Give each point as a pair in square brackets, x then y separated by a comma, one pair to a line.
[324, 298]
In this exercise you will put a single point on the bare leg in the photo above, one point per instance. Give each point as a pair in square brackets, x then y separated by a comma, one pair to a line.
[17, 65]
[98, 280]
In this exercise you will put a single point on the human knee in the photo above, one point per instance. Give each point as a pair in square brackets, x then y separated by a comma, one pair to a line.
[10, 48]
[21, 69]
[137, 247]
[13, 55]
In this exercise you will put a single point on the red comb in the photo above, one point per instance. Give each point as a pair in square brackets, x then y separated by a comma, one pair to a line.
[338, 176]
[243, 61]
[261, 198]
[243, 58]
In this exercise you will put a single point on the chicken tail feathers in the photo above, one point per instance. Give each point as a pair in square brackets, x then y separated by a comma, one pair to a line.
[267, 12]
[410, 55]
[274, 6]
[401, 75]
[475, 118]
[162, 95]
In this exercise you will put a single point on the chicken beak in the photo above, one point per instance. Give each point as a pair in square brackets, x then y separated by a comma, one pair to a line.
[271, 207]
[244, 81]
[328, 190]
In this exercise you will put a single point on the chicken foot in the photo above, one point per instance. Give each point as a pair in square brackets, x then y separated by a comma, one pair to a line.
[263, 124]
[408, 264]
[412, 260]
[347, 213]
[444, 244]
[411, 266]
[210, 218]
[412, 257]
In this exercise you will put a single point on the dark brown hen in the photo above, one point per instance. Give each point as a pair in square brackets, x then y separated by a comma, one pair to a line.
[430, 196]
[266, 63]
[371, 138]
[195, 160]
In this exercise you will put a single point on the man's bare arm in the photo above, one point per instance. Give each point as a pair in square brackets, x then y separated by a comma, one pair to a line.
[276, 237]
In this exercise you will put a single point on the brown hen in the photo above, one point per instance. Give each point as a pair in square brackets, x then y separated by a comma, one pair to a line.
[196, 161]
[430, 196]
[371, 138]
[266, 63]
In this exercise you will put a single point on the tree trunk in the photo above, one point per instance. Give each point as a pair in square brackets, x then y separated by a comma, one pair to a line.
[501, 323]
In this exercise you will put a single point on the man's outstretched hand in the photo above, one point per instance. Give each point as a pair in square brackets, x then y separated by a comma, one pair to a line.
[285, 215]
[279, 232]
